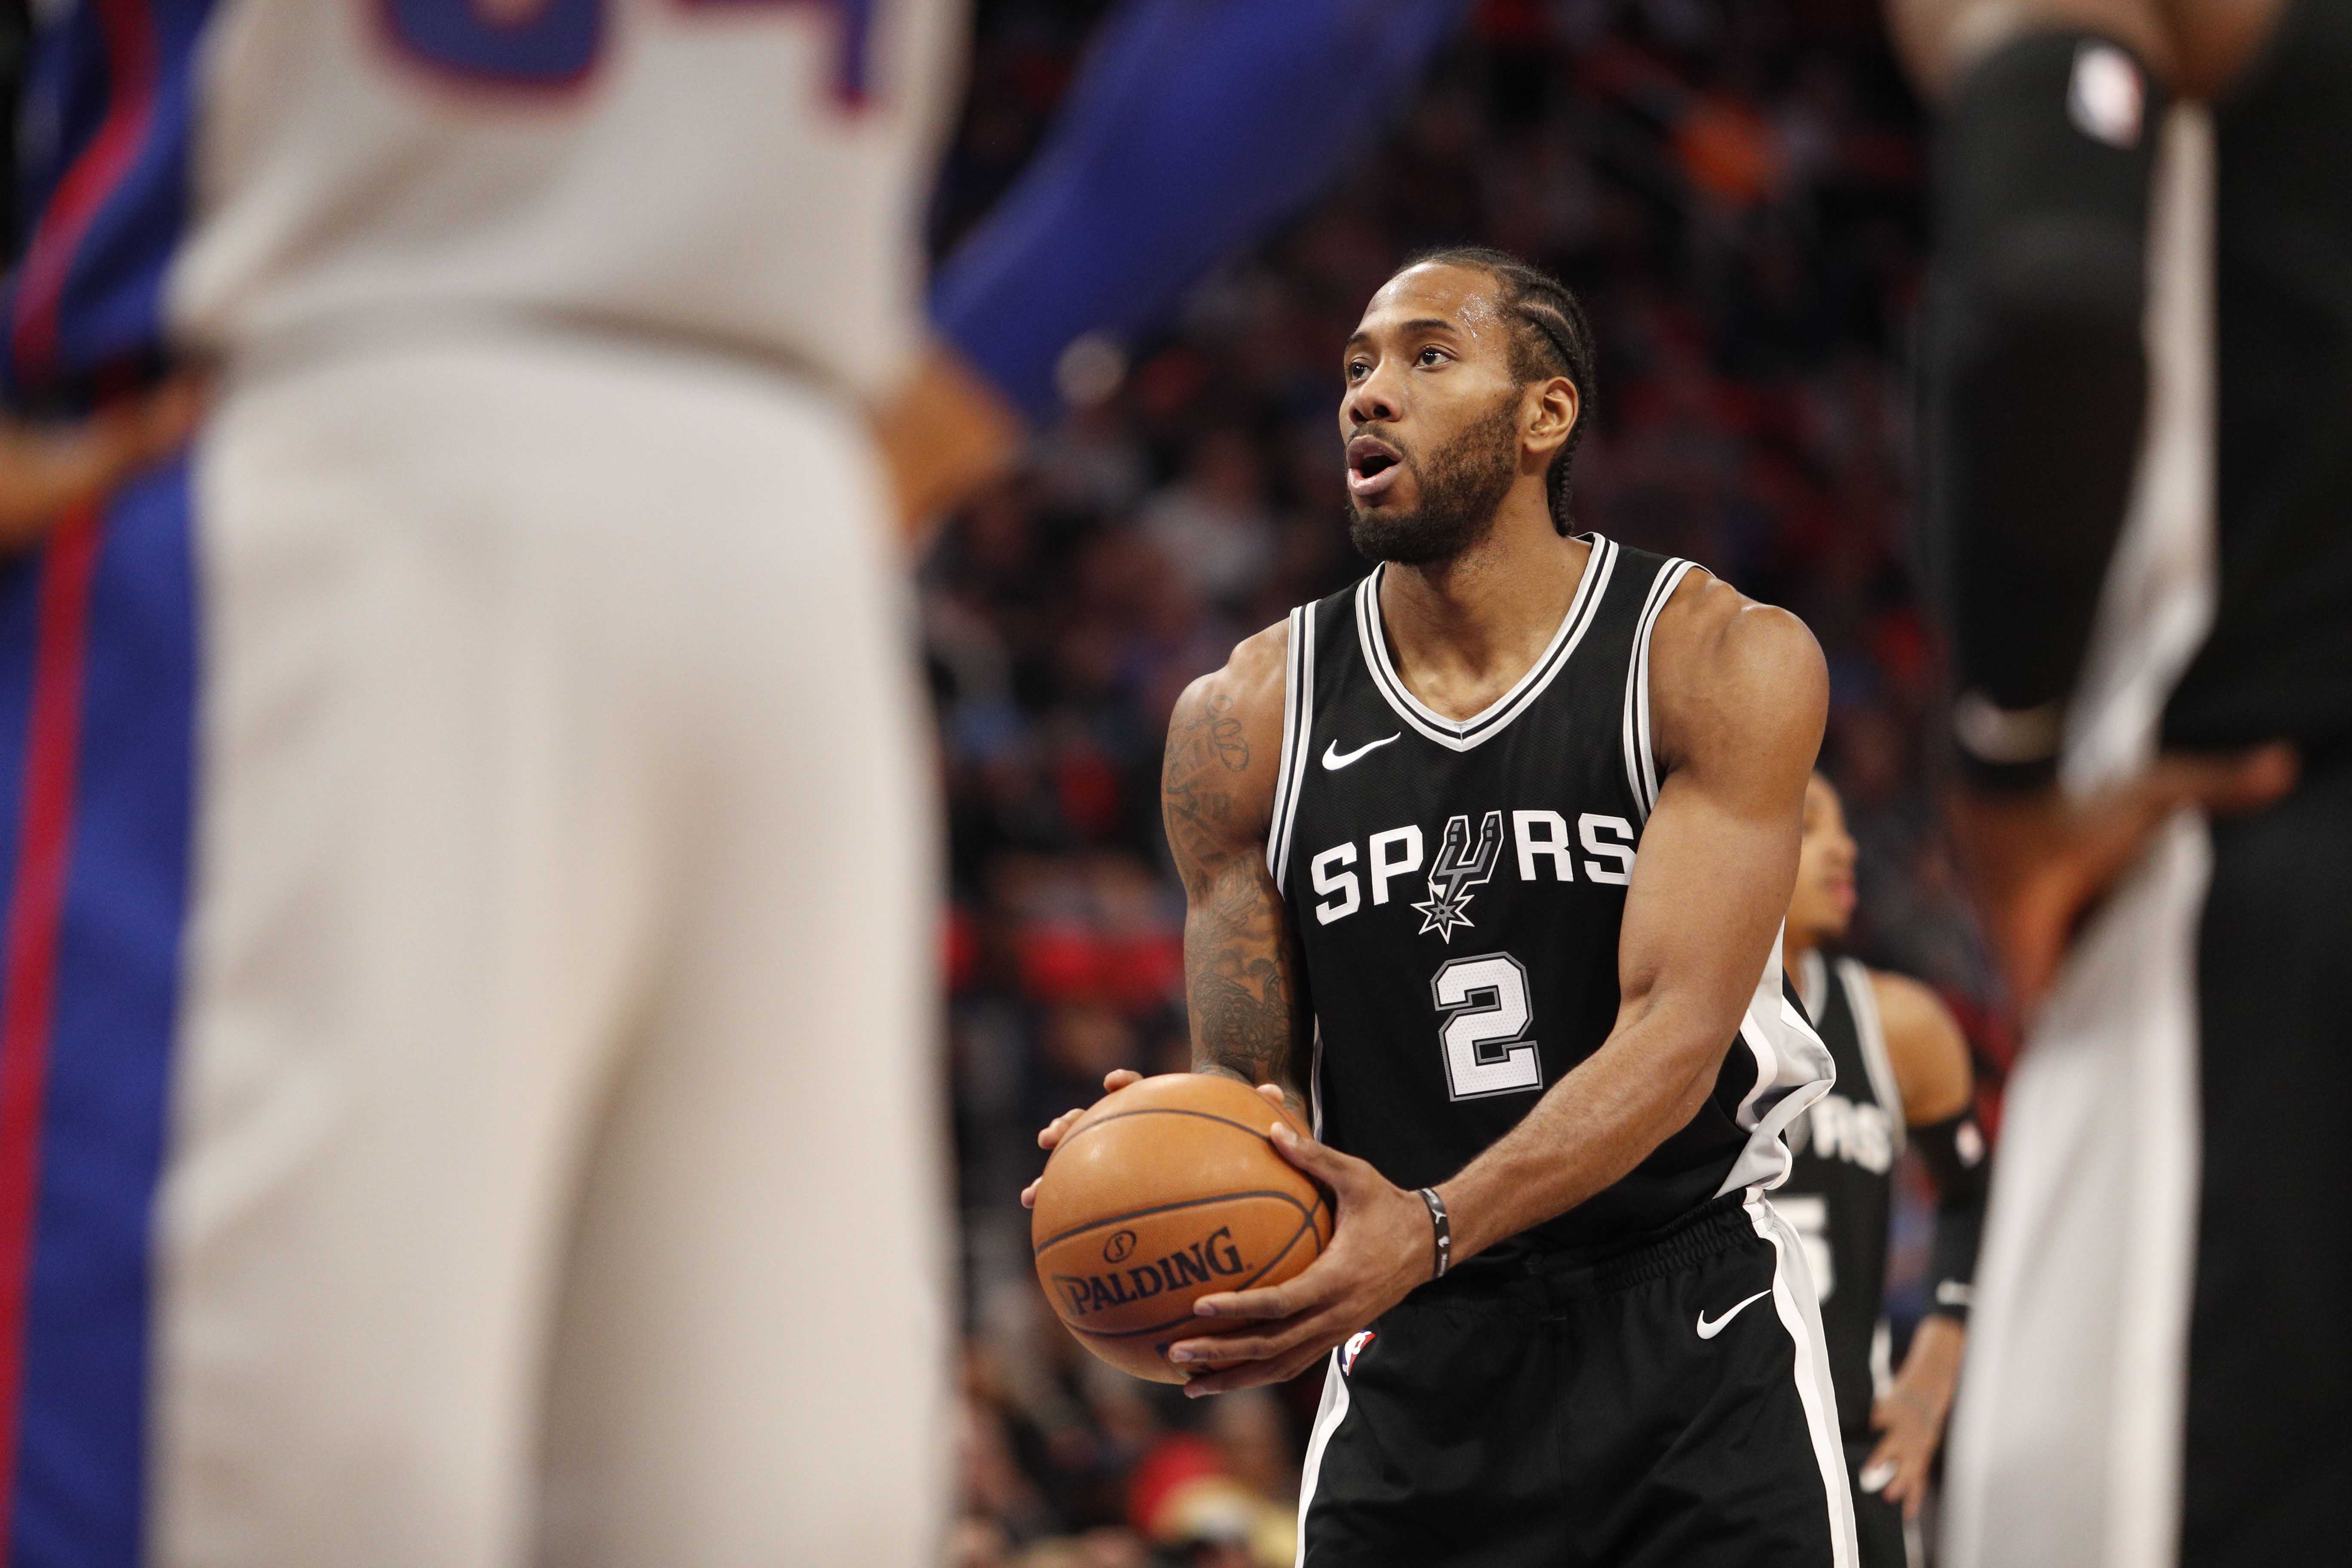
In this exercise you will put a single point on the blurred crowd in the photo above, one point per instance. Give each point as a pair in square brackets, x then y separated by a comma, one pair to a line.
[1734, 190]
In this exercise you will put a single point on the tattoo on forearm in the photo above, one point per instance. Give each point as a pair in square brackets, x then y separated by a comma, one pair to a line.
[1240, 1003]
[1237, 949]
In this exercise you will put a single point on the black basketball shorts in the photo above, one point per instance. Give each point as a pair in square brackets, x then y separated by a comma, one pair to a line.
[1668, 1406]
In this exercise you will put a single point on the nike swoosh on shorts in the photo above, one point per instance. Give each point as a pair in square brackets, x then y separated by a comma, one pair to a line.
[1708, 1331]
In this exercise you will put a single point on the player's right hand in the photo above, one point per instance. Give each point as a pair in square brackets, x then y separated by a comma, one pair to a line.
[46, 470]
[2039, 864]
[1056, 1129]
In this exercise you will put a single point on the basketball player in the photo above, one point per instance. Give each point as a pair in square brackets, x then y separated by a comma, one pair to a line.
[2140, 377]
[464, 833]
[1486, 860]
[1902, 1077]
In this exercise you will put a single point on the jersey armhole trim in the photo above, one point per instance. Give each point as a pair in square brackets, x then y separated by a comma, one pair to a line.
[1863, 1000]
[1297, 729]
[1640, 766]
[1813, 983]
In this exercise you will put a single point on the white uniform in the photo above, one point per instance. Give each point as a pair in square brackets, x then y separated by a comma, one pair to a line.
[466, 1080]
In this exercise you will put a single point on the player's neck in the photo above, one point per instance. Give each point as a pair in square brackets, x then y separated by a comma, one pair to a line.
[1464, 630]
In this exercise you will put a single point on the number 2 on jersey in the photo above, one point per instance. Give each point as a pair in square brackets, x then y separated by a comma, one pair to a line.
[1483, 1003]
[552, 45]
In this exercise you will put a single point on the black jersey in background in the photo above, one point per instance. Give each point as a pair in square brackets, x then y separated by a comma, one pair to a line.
[1840, 1196]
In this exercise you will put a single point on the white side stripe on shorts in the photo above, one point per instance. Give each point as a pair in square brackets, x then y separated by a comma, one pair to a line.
[1792, 1296]
[1327, 1416]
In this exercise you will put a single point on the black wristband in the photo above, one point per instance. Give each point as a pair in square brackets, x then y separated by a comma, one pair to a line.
[1441, 1231]
[1953, 1151]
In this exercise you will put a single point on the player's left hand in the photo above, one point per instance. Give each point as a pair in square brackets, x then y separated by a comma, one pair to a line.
[1910, 1415]
[1382, 1247]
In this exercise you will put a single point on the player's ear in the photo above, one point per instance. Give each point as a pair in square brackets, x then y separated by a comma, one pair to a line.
[1555, 410]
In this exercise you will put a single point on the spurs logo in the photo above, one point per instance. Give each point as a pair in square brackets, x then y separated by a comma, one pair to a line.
[1458, 869]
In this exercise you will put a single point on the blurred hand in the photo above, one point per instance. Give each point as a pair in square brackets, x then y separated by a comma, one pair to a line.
[1911, 1414]
[943, 433]
[2038, 863]
[1057, 1128]
[46, 470]
[1382, 1247]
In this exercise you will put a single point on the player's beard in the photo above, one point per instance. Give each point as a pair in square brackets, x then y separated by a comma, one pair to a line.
[1461, 490]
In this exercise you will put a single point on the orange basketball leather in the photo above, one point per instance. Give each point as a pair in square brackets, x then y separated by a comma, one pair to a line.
[1166, 1191]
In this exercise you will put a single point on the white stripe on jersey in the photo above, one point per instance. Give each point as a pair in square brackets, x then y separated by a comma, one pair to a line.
[1793, 1069]
[1641, 765]
[1800, 1314]
[1297, 727]
[1327, 1416]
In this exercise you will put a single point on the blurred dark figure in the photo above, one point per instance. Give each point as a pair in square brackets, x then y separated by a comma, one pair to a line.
[2138, 356]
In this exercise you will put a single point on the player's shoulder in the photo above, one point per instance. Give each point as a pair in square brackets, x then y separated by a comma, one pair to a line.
[1708, 623]
[1224, 745]
[1924, 1046]
[1249, 685]
[1724, 663]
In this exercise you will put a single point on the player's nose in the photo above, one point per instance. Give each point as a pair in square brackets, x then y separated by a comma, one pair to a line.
[1371, 401]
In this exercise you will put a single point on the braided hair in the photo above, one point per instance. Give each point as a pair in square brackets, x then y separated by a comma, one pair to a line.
[1549, 336]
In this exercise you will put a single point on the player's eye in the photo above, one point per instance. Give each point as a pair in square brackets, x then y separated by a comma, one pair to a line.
[1433, 354]
[1358, 369]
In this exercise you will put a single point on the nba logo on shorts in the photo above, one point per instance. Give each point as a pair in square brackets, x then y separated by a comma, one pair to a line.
[1352, 1348]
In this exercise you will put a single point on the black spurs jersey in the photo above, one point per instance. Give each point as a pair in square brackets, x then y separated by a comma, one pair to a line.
[1457, 888]
[1840, 1196]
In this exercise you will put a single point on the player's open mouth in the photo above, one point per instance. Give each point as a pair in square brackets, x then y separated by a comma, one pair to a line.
[1372, 466]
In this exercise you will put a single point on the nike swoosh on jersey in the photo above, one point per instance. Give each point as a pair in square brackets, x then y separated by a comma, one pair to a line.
[1708, 1331]
[1334, 759]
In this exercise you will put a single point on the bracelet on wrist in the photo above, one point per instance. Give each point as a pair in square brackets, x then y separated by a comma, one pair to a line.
[1441, 1231]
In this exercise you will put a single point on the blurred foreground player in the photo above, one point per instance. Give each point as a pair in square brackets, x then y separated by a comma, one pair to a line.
[2140, 382]
[1486, 860]
[1902, 1077]
[463, 1030]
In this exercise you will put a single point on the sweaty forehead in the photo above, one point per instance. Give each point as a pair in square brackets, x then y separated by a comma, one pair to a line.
[1463, 297]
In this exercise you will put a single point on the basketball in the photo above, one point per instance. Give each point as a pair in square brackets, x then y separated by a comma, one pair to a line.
[1166, 1191]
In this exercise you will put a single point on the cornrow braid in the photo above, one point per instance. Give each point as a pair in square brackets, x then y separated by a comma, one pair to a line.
[1550, 336]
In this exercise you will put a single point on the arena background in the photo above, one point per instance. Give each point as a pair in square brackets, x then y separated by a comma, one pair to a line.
[1735, 191]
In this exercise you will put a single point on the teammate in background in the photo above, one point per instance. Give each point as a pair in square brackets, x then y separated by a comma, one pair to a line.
[1486, 860]
[1902, 1075]
[2139, 495]
[466, 1013]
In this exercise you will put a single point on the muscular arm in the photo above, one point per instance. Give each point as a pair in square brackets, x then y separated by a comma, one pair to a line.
[1739, 694]
[1216, 796]
[1925, 1048]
